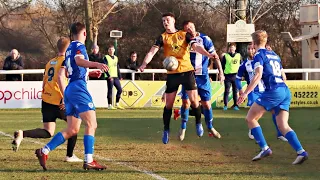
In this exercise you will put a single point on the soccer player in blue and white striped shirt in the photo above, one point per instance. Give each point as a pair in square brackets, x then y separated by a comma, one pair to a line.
[200, 63]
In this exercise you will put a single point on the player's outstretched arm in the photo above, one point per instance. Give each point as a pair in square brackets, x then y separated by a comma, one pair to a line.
[95, 73]
[239, 76]
[218, 61]
[89, 64]
[62, 79]
[200, 49]
[219, 66]
[62, 83]
[148, 57]
[254, 82]
[163, 98]
[43, 81]
[238, 84]
[283, 74]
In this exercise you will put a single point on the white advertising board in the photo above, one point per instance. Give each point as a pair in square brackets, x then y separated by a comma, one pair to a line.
[27, 94]
[240, 32]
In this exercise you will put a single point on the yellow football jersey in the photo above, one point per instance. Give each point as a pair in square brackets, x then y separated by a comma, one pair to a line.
[177, 45]
[51, 92]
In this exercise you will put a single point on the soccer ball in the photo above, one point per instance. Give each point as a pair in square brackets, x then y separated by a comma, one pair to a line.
[170, 63]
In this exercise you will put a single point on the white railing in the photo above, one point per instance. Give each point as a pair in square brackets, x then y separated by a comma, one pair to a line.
[155, 71]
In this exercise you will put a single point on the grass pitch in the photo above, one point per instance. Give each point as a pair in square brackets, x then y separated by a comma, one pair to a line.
[129, 143]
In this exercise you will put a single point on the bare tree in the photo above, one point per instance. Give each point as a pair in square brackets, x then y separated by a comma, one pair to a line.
[89, 21]
[51, 19]
[140, 23]
[96, 12]
[12, 7]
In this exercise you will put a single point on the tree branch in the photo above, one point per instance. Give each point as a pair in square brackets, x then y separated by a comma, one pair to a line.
[155, 7]
[256, 19]
[235, 15]
[97, 1]
[255, 15]
[10, 10]
[114, 12]
[40, 26]
[109, 11]
[209, 5]
[226, 2]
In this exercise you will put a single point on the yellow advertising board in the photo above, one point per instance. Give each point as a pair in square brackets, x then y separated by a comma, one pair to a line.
[149, 93]
[131, 93]
[304, 93]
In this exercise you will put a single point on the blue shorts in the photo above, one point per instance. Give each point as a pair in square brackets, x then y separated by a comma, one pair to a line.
[204, 88]
[277, 99]
[252, 97]
[77, 99]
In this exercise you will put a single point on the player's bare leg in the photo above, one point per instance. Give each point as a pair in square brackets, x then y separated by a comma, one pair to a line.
[71, 130]
[46, 132]
[90, 120]
[280, 136]
[282, 122]
[255, 113]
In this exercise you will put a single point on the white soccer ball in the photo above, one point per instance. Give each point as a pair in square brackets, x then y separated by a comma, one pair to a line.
[170, 63]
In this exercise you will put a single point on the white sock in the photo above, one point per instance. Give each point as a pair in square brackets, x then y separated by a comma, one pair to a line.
[45, 150]
[117, 104]
[88, 158]
[265, 148]
[110, 105]
[301, 151]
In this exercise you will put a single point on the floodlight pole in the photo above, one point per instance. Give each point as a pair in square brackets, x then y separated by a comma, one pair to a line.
[116, 46]
[116, 34]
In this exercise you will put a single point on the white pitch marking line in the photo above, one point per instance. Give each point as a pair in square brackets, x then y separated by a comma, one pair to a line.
[155, 176]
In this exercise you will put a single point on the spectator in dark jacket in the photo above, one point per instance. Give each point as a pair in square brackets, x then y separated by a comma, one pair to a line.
[132, 64]
[13, 62]
[96, 56]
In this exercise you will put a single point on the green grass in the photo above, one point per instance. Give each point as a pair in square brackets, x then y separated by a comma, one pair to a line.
[131, 139]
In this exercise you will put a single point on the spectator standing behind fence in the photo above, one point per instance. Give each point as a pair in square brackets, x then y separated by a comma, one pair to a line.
[13, 62]
[230, 65]
[132, 64]
[96, 56]
[113, 77]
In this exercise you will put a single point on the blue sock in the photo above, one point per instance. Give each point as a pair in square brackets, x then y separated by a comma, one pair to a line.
[275, 123]
[184, 116]
[208, 117]
[88, 142]
[294, 141]
[56, 141]
[258, 136]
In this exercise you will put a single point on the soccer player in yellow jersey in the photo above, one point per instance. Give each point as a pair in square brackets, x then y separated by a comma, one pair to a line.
[52, 107]
[177, 43]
